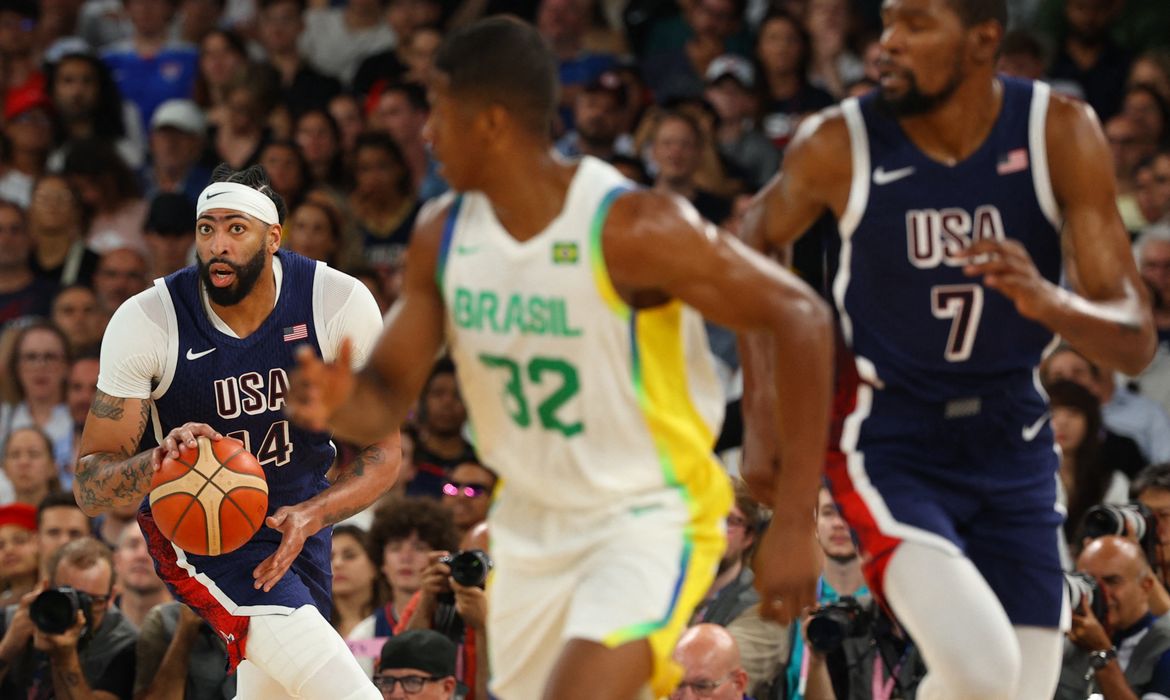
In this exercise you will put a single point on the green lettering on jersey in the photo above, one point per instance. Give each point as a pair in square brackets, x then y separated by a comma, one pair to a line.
[518, 314]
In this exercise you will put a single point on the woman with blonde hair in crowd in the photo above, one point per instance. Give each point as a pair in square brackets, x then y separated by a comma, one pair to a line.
[28, 466]
[19, 551]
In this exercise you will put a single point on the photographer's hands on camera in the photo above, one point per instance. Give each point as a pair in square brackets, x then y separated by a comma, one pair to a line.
[470, 601]
[1087, 632]
[20, 630]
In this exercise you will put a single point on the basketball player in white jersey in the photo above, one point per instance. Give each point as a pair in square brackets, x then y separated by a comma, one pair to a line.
[569, 304]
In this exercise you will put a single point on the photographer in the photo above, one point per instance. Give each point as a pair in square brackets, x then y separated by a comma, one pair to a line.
[1126, 655]
[1151, 488]
[91, 658]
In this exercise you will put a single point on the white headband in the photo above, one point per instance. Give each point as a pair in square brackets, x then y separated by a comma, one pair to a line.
[237, 197]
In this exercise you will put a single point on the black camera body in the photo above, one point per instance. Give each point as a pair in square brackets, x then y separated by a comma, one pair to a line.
[54, 611]
[1133, 520]
[831, 624]
[469, 567]
[1082, 590]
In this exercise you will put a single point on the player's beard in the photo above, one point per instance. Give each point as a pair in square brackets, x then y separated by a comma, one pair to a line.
[247, 275]
[914, 101]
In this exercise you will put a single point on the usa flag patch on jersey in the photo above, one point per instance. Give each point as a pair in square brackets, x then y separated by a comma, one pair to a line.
[1013, 162]
[297, 332]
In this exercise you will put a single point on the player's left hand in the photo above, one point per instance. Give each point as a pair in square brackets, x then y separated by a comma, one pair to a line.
[58, 643]
[296, 525]
[1007, 268]
[787, 565]
[1087, 632]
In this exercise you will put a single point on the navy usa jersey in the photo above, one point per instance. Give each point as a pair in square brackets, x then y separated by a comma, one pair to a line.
[914, 321]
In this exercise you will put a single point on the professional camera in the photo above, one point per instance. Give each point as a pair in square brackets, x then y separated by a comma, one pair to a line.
[55, 611]
[1082, 589]
[469, 568]
[833, 623]
[1132, 520]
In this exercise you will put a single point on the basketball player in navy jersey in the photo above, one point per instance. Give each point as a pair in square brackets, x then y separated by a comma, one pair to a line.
[955, 192]
[206, 352]
[568, 300]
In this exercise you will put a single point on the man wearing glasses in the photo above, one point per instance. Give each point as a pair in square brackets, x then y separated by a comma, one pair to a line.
[419, 664]
[94, 658]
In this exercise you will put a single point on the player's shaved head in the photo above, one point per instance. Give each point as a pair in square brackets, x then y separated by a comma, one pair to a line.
[503, 61]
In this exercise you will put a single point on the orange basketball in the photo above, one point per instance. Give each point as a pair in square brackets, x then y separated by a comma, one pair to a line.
[212, 499]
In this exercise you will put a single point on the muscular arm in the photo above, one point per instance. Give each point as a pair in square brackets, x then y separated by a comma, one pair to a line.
[69, 682]
[109, 472]
[370, 475]
[1110, 320]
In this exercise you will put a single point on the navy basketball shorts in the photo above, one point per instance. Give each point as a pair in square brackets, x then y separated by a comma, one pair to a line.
[975, 477]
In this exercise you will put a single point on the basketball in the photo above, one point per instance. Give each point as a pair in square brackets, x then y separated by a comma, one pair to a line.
[210, 500]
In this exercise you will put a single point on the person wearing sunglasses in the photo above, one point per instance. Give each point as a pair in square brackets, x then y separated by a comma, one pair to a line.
[417, 664]
[467, 493]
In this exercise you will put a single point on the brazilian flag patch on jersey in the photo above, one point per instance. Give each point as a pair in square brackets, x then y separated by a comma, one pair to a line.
[565, 253]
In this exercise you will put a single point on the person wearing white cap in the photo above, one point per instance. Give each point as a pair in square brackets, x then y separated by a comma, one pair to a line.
[177, 136]
[206, 351]
[731, 83]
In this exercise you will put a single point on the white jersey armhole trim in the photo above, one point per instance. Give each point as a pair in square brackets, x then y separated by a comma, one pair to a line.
[319, 320]
[171, 356]
[1038, 145]
[859, 185]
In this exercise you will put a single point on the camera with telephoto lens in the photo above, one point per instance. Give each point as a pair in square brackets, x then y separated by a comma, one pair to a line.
[831, 624]
[55, 611]
[469, 568]
[1133, 520]
[1082, 590]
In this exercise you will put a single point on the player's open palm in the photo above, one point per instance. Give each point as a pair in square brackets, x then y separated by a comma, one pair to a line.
[787, 566]
[318, 388]
[296, 526]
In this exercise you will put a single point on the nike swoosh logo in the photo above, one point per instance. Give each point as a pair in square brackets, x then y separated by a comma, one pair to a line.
[215, 194]
[1031, 431]
[466, 249]
[883, 177]
[192, 355]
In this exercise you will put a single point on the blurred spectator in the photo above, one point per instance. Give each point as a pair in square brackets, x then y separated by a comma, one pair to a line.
[441, 446]
[149, 68]
[88, 104]
[79, 393]
[241, 136]
[382, 204]
[22, 292]
[358, 589]
[711, 666]
[784, 53]
[597, 121]
[676, 144]
[120, 275]
[1085, 478]
[834, 65]
[28, 464]
[223, 59]
[632, 168]
[415, 23]
[1151, 488]
[731, 90]
[287, 171]
[102, 23]
[731, 592]
[418, 53]
[401, 537]
[1152, 251]
[1089, 57]
[337, 39]
[1149, 113]
[418, 664]
[301, 85]
[140, 588]
[347, 112]
[401, 110]
[564, 24]
[28, 136]
[40, 363]
[76, 313]
[678, 54]
[59, 521]
[1152, 192]
[109, 192]
[179, 657]
[22, 75]
[56, 220]
[1022, 55]
[1130, 146]
[57, 25]
[468, 495]
[319, 138]
[314, 231]
[178, 135]
[198, 18]
[39, 663]
[169, 233]
[373, 282]
[406, 17]
[19, 555]
[1122, 411]
[1152, 68]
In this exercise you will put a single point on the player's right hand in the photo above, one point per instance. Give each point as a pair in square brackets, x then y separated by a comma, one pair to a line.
[317, 388]
[184, 435]
[787, 565]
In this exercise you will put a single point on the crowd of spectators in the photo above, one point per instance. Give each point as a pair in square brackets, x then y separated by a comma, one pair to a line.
[115, 112]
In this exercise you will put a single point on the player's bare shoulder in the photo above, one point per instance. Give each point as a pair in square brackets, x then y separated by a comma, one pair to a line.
[819, 154]
[1078, 154]
[427, 237]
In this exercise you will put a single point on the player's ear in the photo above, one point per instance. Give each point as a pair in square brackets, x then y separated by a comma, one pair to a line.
[984, 40]
[275, 234]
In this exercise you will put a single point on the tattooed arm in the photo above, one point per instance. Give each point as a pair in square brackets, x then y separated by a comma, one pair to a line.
[111, 472]
[364, 481]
